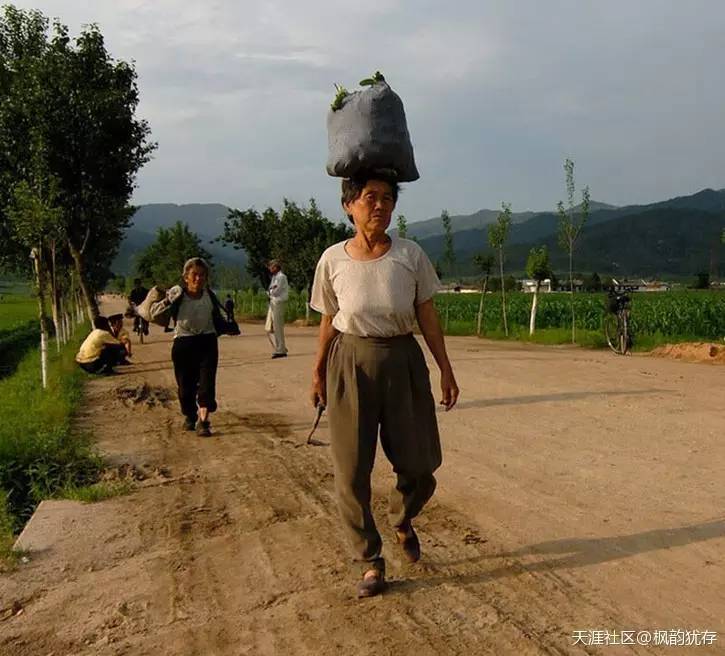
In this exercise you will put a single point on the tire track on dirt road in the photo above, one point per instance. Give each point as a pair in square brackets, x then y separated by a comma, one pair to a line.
[238, 549]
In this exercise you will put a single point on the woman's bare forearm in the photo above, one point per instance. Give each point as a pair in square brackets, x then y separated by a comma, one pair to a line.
[430, 327]
[326, 335]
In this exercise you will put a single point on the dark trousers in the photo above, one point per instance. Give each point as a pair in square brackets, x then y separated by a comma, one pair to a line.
[139, 324]
[195, 362]
[110, 356]
[380, 386]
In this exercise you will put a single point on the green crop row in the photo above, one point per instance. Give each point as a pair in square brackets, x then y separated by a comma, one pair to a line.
[700, 315]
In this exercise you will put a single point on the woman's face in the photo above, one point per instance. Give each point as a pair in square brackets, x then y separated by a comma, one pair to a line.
[195, 279]
[373, 209]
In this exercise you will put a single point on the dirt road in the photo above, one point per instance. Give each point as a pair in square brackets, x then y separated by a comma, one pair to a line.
[580, 491]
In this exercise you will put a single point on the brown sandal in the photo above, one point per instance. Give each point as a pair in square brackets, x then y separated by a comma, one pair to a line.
[371, 586]
[408, 539]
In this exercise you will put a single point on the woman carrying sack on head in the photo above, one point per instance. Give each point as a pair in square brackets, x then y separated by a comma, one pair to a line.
[195, 351]
[371, 375]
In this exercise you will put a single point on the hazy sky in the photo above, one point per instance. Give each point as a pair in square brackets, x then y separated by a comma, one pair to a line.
[496, 92]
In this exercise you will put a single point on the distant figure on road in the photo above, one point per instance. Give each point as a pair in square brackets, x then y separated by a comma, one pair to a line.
[371, 374]
[229, 308]
[195, 352]
[136, 297]
[278, 294]
[100, 351]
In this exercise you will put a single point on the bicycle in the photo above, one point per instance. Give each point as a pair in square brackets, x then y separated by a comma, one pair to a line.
[617, 327]
[140, 325]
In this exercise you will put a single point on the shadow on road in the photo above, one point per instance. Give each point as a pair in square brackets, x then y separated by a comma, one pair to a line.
[557, 396]
[574, 552]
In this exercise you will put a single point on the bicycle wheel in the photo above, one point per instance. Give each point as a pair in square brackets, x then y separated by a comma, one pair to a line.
[613, 332]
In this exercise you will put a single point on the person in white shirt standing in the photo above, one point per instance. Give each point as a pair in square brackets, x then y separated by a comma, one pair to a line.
[278, 295]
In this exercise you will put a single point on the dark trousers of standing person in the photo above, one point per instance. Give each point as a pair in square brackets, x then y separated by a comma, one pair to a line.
[195, 363]
[380, 384]
[110, 356]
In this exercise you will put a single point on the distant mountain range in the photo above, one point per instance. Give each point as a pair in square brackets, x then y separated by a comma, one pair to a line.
[675, 237]
[432, 227]
[207, 220]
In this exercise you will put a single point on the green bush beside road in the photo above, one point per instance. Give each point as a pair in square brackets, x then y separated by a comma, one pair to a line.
[40, 452]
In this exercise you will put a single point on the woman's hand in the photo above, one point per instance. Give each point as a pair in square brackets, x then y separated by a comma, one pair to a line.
[449, 389]
[318, 392]
[431, 328]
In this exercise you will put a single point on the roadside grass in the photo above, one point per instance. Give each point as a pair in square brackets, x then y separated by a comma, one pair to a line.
[96, 491]
[17, 310]
[519, 333]
[19, 331]
[6, 532]
[593, 339]
[40, 453]
[645, 343]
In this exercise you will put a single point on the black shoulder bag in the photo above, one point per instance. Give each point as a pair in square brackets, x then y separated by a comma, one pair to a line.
[221, 325]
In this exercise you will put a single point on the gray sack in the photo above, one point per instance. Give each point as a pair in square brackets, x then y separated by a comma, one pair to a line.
[143, 310]
[369, 133]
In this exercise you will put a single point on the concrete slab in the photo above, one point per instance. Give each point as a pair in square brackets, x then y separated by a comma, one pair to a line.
[51, 522]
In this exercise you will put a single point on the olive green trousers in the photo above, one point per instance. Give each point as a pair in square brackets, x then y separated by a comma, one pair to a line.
[380, 386]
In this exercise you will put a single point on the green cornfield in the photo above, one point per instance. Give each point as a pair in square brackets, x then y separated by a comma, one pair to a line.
[682, 314]
[253, 304]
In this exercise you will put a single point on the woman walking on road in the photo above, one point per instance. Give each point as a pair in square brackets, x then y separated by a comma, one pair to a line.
[371, 374]
[195, 352]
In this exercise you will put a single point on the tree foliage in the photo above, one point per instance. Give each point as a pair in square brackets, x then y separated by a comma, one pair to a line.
[538, 266]
[296, 236]
[571, 222]
[69, 134]
[402, 226]
[498, 233]
[483, 262]
[162, 262]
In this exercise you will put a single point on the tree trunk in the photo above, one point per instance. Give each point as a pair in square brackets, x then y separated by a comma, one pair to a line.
[54, 299]
[78, 306]
[503, 293]
[534, 301]
[88, 296]
[64, 321]
[479, 318]
[571, 291]
[38, 266]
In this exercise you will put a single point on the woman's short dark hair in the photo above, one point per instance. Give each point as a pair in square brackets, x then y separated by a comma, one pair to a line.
[101, 323]
[353, 187]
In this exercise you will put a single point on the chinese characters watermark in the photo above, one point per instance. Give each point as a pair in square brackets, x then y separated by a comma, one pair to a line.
[656, 637]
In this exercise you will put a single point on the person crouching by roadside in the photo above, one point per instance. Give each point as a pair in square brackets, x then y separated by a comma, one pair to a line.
[118, 331]
[100, 351]
[195, 351]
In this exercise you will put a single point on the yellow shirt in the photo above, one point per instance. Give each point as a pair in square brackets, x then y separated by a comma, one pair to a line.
[93, 345]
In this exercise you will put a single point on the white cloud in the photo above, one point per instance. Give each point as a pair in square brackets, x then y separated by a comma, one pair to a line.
[496, 93]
